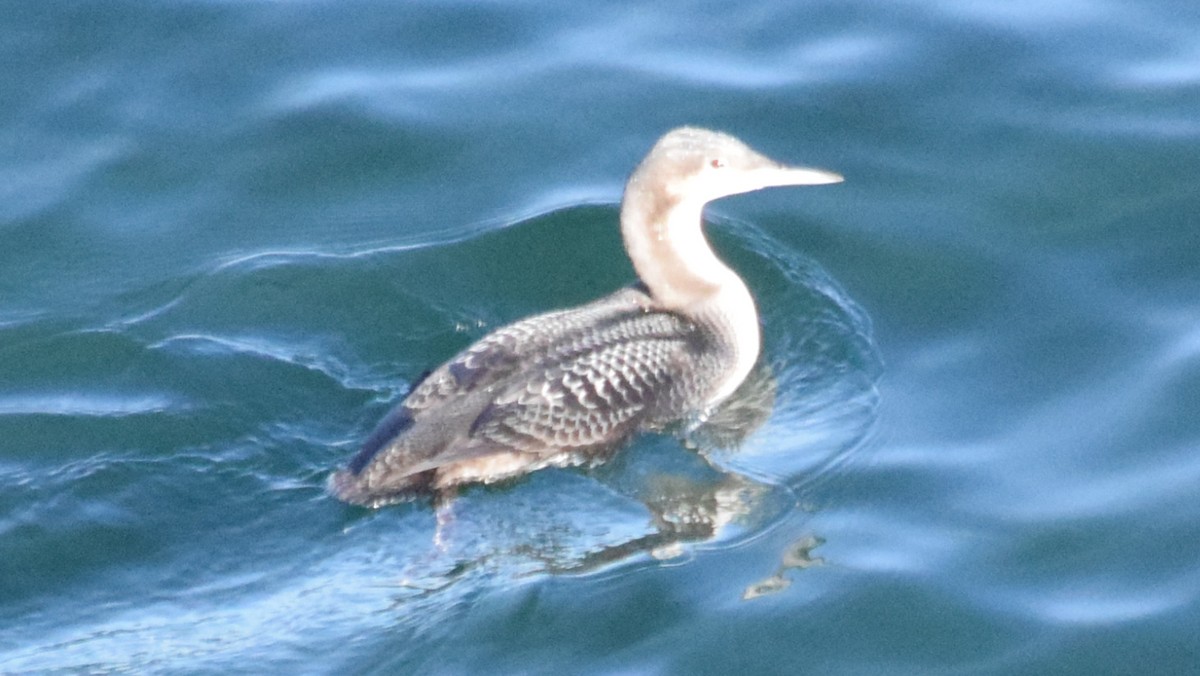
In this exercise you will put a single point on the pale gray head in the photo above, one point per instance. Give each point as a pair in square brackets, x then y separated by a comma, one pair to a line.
[695, 165]
[662, 223]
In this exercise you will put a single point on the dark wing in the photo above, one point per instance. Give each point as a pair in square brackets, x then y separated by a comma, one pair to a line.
[596, 391]
[547, 390]
[508, 350]
[497, 357]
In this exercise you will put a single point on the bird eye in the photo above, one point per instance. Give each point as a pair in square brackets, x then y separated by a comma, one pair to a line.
[717, 163]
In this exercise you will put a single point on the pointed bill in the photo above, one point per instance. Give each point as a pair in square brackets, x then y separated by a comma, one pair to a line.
[780, 175]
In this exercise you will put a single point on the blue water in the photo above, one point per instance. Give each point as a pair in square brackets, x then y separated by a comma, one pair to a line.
[233, 233]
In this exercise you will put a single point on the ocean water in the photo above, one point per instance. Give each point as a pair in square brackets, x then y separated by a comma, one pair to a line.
[233, 233]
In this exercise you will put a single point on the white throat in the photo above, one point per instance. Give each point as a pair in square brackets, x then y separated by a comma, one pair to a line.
[665, 240]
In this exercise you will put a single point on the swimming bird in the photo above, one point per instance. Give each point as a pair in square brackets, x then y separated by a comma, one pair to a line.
[569, 387]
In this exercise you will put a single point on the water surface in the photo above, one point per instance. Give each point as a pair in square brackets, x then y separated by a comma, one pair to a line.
[234, 233]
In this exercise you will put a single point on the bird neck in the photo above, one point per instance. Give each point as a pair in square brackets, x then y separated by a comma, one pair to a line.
[665, 241]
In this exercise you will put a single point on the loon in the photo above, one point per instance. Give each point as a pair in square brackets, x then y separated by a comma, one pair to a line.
[569, 387]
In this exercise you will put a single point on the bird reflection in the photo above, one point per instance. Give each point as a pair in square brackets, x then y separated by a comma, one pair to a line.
[797, 556]
[696, 498]
[689, 497]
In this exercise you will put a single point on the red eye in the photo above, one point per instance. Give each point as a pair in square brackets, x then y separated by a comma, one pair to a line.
[717, 164]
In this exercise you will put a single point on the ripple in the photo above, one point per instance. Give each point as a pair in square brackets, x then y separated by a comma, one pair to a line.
[819, 345]
[1099, 605]
[84, 404]
[37, 185]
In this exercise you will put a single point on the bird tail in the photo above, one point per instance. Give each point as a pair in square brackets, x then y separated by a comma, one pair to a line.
[354, 489]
